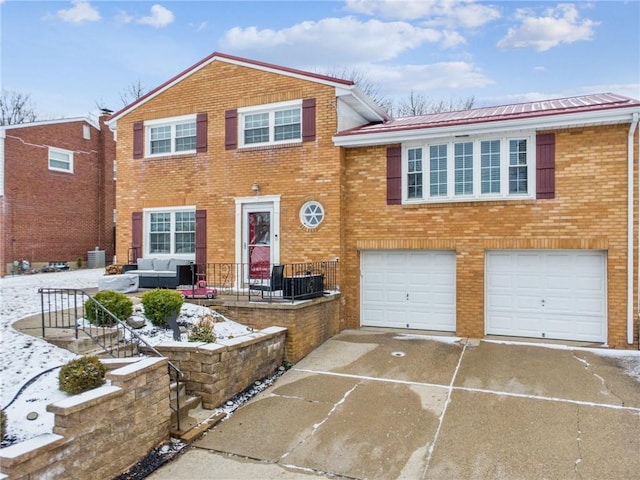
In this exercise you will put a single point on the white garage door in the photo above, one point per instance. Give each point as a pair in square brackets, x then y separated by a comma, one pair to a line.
[408, 289]
[557, 294]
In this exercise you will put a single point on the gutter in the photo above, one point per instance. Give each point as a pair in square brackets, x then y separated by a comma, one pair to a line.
[630, 232]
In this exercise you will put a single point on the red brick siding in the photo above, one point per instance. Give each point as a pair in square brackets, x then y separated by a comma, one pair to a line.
[56, 216]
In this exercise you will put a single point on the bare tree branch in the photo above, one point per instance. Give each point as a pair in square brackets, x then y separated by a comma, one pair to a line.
[16, 108]
[132, 92]
[365, 85]
[417, 104]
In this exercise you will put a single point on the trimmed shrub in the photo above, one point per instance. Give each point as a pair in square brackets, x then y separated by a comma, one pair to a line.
[82, 374]
[117, 303]
[3, 424]
[160, 304]
[203, 331]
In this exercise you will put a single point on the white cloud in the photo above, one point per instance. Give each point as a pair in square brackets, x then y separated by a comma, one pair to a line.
[160, 17]
[335, 40]
[79, 13]
[437, 79]
[626, 89]
[561, 24]
[453, 13]
[124, 17]
[199, 27]
[539, 68]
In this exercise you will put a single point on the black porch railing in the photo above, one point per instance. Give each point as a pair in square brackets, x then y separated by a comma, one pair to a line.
[64, 308]
[297, 281]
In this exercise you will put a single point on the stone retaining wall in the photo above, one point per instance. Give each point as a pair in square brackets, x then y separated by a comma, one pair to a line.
[100, 433]
[218, 371]
[309, 323]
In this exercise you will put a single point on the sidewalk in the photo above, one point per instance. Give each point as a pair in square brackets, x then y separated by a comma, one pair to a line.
[378, 405]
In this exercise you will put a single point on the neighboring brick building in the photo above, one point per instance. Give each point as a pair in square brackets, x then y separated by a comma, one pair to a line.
[497, 221]
[57, 191]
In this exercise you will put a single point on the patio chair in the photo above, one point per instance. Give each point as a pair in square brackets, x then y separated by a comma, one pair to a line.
[275, 282]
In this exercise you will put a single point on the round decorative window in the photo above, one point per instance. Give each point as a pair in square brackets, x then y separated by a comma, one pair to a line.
[311, 214]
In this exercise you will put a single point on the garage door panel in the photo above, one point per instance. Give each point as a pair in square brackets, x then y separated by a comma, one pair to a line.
[547, 294]
[416, 289]
[500, 302]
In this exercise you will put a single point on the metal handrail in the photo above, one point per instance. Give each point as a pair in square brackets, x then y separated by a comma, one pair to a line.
[234, 279]
[74, 317]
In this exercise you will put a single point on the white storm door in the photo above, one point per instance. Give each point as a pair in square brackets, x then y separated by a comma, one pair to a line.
[408, 289]
[258, 241]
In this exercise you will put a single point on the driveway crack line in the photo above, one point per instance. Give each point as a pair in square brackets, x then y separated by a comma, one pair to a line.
[588, 367]
[578, 444]
[444, 411]
[478, 390]
[318, 425]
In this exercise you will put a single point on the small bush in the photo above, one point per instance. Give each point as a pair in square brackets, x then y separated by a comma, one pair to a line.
[203, 331]
[3, 424]
[82, 374]
[117, 303]
[159, 304]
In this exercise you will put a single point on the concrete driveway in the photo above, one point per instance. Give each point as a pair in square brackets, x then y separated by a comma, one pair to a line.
[387, 405]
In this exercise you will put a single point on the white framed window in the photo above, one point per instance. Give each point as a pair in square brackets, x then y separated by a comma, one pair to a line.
[168, 136]
[311, 214]
[170, 232]
[468, 169]
[60, 160]
[86, 132]
[270, 124]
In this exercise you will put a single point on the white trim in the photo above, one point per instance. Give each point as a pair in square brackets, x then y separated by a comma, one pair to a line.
[145, 231]
[302, 214]
[274, 202]
[606, 117]
[630, 232]
[62, 151]
[269, 108]
[167, 122]
[40, 123]
[477, 195]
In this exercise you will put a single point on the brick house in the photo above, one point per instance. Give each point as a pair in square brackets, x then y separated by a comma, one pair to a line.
[507, 220]
[57, 190]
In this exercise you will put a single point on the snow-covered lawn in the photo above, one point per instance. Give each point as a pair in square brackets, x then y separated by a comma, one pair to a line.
[22, 357]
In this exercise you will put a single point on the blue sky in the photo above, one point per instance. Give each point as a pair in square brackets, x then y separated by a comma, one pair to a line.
[71, 55]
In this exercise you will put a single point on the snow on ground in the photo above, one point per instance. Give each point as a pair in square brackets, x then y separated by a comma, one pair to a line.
[23, 357]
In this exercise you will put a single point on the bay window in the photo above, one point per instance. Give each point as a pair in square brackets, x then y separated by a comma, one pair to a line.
[469, 169]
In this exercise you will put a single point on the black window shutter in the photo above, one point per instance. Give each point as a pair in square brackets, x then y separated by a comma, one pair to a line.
[138, 140]
[136, 237]
[394, 176]
[201, 132]
[201, 242]
[308, 119]
[231, 129]
[545, 165]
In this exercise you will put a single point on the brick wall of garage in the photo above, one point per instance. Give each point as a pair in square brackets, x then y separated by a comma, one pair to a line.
[589, 211]
[212, 180]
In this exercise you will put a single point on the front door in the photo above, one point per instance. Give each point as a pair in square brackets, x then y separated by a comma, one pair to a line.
[258, 241]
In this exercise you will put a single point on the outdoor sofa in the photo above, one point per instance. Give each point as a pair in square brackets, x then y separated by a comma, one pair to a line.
[157, 272]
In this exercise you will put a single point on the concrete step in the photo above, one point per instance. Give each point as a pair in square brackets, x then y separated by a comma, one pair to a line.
[199, 421]
[84, 343]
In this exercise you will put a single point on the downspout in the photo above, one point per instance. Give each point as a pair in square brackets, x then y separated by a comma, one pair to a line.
[630, 232]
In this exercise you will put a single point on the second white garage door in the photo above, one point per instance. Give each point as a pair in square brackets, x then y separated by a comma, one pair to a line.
[558, 294]
[408, 289]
